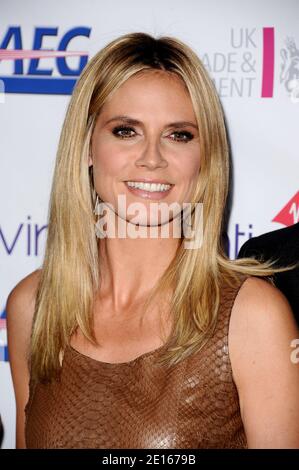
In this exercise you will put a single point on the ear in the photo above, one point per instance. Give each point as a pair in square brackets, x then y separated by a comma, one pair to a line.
[90, 162]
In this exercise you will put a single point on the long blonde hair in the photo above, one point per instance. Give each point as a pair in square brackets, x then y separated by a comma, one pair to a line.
[70, 275]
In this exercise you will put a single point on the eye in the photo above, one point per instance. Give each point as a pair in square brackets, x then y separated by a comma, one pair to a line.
[118, 129]
[188, 136]
[123, 133]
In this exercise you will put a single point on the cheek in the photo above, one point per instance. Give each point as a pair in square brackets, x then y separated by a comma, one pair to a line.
[190, 166]
[107, 159]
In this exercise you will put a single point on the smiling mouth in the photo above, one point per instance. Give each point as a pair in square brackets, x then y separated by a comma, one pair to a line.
[151, 187]
[149, 190]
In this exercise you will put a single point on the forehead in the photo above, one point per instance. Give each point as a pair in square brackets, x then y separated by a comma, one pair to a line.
[154, 76]
[152, 92]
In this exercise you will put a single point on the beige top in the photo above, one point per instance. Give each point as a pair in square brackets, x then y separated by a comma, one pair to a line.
[138, 404]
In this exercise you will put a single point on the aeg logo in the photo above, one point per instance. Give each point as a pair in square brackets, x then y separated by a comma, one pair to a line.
[36, 79]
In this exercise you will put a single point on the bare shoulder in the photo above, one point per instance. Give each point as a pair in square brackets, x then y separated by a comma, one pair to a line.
[25, 289]
[20, 307]
[259, 306]
[261, 333]
[21, 302]
[261, 322]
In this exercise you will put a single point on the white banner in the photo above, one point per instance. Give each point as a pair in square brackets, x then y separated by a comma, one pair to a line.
[250, 48]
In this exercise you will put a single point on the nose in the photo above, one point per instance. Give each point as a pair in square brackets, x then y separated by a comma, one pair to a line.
[151, 157]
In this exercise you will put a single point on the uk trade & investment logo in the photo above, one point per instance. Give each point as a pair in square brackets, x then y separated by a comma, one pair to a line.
[59, 79]
[236, 72]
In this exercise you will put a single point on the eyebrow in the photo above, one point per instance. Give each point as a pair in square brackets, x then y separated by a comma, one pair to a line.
[135, 122]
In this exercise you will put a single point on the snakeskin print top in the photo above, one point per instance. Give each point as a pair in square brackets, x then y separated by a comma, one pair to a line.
[138, 404]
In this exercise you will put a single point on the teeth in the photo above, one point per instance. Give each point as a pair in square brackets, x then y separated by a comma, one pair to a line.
[151, 187]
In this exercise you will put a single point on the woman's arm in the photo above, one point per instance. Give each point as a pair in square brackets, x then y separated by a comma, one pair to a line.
[261, 330]
[20, 308]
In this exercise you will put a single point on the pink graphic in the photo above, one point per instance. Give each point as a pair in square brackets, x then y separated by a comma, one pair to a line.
[268, 63]
[289, 214]
[3, 339]
[21, 54]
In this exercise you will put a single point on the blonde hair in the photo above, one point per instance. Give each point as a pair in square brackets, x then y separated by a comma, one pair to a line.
[70, 275]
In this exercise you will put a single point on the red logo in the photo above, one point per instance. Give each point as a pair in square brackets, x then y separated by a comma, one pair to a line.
[289, 214]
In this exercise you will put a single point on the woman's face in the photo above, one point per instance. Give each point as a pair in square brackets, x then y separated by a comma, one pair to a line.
[146, 131]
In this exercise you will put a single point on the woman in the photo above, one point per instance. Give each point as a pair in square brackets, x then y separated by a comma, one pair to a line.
[139, 342]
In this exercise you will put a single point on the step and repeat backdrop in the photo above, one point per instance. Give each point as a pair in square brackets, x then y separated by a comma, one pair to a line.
[251, 50]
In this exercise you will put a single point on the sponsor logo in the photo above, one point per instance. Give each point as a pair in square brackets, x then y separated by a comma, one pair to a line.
[289, 214]
[27, 237]
[237, 71]
[28, 75]
[239, 234]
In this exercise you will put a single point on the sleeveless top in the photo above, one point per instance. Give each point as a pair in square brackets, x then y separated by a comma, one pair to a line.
[138, 404]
